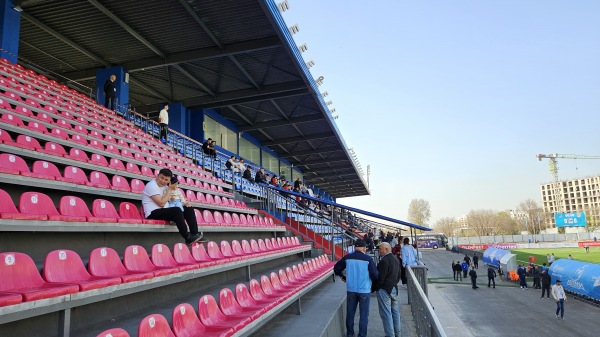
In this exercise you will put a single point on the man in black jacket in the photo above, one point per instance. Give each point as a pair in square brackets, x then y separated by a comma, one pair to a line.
[546, 280]
[491, 275]
[387, 294]
[110, 92]
[260, 176]
[248, 174]
[473, 275]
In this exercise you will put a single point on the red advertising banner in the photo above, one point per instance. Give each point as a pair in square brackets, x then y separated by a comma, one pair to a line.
[588, 243]
[486, 246]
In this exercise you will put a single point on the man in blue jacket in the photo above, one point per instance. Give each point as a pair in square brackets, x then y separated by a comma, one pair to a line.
[360, 275]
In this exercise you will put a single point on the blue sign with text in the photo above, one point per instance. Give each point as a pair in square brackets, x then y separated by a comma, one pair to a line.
[575, 219]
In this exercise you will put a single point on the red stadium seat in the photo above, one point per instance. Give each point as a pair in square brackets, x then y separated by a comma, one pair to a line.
[235, 219]
[201, 255]
[136, 259]
[210, 199]
[187, 324]
[29, 143]
[37, 127]
[258, 294]
[117, 332]
[80, 129]
[155, 325]
[227, 251]
[105, 210]
[76, 207]
[34, 203]
[5, 138]
[21, 110]
[55, 149]
[77, 154]
[182, 255]
[126, 153]
[96, 145]
[133, 168]
[64, 124]
[246, 300]
[137, 186]
[120, 184]
[65, 266]
[44, 117]
[201, 198]
[99, 160]
[218, 218]
[74, 175]
[10, 299]
[211, 316]
[76, 138]
[269, 291]
[162, 258]
[13, 164]
[59, 133]
[147, 171]
[116, 164]
[212, 248]
[231, 308]
[190, 195]
[9, 211]
[105, 262]
[208, 217]
[12, 119]
[129, 213]
[19, 274]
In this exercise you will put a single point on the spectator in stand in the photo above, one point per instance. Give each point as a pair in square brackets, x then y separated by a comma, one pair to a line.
[110, 92]
[546, 281]
[154, 200]
[241, 166]
[274, 181]
[409, 257]
[260, 176]
[388, 270]
[491, 276]
[232, 164]
[163, 120]
[297, 183]
[360, 275]
[176, 199]
[209, 148]
[248, 174]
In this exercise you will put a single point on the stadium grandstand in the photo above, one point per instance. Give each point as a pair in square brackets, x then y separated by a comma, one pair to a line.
[77, 255]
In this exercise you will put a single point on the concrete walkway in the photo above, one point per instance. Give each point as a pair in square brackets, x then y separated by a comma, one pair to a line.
[506, 310]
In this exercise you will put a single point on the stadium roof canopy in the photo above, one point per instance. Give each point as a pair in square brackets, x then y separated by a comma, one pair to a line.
[234, 56]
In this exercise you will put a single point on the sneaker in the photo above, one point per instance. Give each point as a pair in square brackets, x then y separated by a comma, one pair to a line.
[193, 238]
[562, 318]
[557, 317]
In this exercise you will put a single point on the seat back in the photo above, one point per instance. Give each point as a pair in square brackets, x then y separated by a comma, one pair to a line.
[78, 154]
[120, 183]
[226, 249]
[209, 312]
[246, 247]
[5, 137]
[133, 168]
[58, 149]
[64, 266]
[256, 291]
[229, 305]
[199, 253]
[209, 199]
[185, 321]
[161, 256]
[96, 145]
[243, 220]
[98, 159]
[262, 245]
[75, 175]
[190, 195]
[128, 210]
[218, 218]
[182, 254]
[266, 285]
[36, 203]
[218, 200]
[201, 198]
[269, 244]
[137, 186]
[254, 246]
[208, 217]
[73, 206]
[117, 332]
[12, 119]
[236, 247]
[213, 250]
[155, 325]
[136, 259]
[104, 209]
[99, 179]
[227, 218]
[275, 282]
[7, 205]
[76, 138]
[17, 270]
[13, 164]
[46, 168]
[116, 164]
[147, 171]
[59, 133]
[235, 219]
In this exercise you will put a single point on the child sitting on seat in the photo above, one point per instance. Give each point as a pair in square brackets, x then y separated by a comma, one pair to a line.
[176, 199]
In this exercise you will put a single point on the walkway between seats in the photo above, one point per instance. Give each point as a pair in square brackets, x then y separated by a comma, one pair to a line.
[504, 311]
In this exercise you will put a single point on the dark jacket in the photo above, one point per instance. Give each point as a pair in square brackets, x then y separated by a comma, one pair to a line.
[248, 174]
[475, 259]
[491, 272]
[521, 272]
[457, 267]
[389, 272]
[473, 273]
[260, 177]
[546, 278]
[109, 88]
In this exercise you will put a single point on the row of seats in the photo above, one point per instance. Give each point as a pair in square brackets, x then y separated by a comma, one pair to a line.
[233, 312]
[39, 206]
[41, 169]
[65, 273]
[52, 148]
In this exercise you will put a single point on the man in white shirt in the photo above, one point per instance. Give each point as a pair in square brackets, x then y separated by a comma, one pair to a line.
[154, 200]
[558, 292]
[163, 120]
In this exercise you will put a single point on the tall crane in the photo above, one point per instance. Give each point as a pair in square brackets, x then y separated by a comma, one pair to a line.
[559, 205]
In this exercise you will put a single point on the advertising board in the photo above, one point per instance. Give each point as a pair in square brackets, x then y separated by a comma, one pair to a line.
[575, 219]
[579, 277]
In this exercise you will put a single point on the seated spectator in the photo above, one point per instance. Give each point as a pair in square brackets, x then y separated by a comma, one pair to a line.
[241, 165]
[274, 181]
[232, 164]
[177, 199]
[260, 176]
[287, 186]
[209, 148]
[248, 174]
[297, 184]
[155, 197]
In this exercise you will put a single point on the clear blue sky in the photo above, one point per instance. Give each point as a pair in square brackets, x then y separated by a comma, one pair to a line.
[450, 101]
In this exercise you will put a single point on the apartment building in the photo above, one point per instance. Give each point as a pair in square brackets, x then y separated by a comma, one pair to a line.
[577, 195]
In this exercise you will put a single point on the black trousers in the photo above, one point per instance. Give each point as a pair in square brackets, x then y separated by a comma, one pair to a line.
[403, 274]
[164, 130]
[458, 275]
[546, 290]
[180, 217]
[492, 280]
[473, 282]
[109, 102]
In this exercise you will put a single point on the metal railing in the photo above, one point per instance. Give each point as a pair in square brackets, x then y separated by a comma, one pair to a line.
[426, 321]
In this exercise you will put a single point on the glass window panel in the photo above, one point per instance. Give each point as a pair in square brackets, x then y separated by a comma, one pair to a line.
[249, 151]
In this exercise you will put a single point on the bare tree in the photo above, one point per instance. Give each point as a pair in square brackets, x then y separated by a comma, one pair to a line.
[419, 212]
[534, 215]
[446, 226]
[505, 224]
[482, 221]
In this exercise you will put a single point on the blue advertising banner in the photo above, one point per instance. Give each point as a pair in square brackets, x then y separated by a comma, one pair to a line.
[578, 277]
[493, 255]
[575, 219]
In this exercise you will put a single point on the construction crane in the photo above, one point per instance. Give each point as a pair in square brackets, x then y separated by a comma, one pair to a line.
[559, 205]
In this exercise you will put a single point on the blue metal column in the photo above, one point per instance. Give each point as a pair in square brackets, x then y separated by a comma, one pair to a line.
[196, 125]
[10, 28]
[178, 118]
[102, 75]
